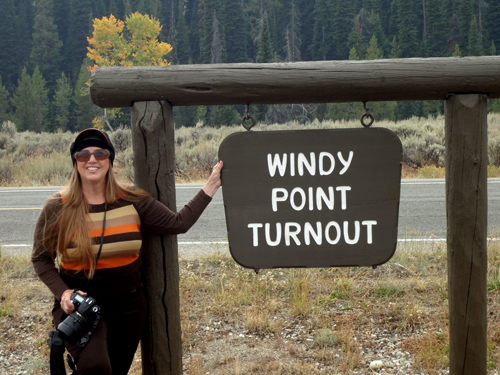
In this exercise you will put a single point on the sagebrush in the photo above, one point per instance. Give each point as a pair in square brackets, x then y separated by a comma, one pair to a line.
[28, 158]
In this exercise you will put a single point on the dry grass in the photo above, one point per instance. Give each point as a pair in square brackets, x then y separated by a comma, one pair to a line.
[284, 321]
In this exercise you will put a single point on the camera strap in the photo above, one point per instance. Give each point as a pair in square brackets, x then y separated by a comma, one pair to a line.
[85, 338]
[56, 344]
[102, 240]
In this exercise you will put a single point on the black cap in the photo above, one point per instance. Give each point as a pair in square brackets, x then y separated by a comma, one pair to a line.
[92, 137]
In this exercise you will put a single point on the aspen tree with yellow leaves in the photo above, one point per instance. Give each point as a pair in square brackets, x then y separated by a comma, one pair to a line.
[138, 46]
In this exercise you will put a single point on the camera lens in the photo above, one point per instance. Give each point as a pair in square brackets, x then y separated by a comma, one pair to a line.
[72, 326]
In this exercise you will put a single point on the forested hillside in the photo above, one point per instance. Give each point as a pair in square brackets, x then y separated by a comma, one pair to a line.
[43, 49]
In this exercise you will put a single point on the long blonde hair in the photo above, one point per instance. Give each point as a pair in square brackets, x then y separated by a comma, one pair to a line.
[71, 226]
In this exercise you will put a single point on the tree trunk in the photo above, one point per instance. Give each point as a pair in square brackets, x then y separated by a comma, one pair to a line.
[466, 211]
[153, 142]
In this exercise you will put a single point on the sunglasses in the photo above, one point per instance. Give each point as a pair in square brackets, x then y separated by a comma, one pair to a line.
[100, 154]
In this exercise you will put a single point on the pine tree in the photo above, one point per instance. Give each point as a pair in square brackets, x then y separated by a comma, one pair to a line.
[217, 50]
[322, 47]
[9, 46]
[342, 22]
[31, 101]
[479, 7]
[236, 33]
[395, 49]
[4, 103]
[182, 36]
[112, 9]
[26, 16]
[224, 115]
[293, 39]
[306, 10]
[63, 100]
[453, 33]
[493, 21]
[357, 39]
[76, 42]
[457, 52]
[493, 49]
[373, 52]
[46, 43]
[61, 19]
[407, 25]
[378, 30]
[172, 34]
[408, 109]
[81, 98]
[157, 10]
[475, 47]
[436, 28]
[144, 7]
[127, 8]
[393, 19]
[266, 52]
[353, 55]
[205, 31]
[465, 16]
[98, 8]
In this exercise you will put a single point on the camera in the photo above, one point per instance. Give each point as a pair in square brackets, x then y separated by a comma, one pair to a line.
[80, 321]
[78, 326]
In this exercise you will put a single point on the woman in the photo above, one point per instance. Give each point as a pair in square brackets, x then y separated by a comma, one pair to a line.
[105, 264]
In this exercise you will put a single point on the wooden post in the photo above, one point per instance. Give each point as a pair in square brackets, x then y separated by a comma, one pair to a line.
[154, 152]
[466, 211]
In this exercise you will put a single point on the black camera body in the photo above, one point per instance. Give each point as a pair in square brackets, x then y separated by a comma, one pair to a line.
[80, 321]
[76, 328]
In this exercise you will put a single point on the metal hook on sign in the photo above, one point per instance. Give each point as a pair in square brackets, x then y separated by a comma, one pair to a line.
[366, 115]
[248, 116]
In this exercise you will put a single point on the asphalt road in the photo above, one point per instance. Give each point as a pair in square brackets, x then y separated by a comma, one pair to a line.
[422, 215]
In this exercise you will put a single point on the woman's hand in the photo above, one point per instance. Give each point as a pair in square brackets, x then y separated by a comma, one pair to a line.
[66, 303]
[214, 181]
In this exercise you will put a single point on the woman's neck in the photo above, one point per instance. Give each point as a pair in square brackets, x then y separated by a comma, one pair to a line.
[94, 193]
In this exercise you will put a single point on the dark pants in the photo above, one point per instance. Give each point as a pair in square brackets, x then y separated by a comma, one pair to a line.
[113, 344]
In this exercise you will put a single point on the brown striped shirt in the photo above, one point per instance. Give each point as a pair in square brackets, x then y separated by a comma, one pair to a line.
[125, 221]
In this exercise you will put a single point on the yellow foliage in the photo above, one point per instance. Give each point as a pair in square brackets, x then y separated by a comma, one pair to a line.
[109, 47]
[98, 122]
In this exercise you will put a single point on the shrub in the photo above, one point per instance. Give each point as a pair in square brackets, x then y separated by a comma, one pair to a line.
[121, 139]
[5, 170]
[494, 150]
[54, 169]
[326, 338]
[9, 128]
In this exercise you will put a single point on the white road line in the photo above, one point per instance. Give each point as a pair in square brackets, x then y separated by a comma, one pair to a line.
[225, 242]
[20, 208]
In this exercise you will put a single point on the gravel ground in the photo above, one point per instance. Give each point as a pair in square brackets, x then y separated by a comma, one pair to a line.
[222, 345]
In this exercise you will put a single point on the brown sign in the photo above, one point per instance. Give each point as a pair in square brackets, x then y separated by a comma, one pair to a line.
[312, 198]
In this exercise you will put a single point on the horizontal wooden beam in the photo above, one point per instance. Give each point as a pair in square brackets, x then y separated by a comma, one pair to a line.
[298, 82]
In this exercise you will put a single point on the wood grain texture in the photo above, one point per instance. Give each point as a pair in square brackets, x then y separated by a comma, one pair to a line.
[466, 211]
[298, 82]
[153, 142]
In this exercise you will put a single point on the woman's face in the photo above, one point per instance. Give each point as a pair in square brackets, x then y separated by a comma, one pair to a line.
[93, 171]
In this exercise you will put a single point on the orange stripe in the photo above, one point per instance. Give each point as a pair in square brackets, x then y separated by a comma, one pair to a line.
[101, 264]
[126, 228]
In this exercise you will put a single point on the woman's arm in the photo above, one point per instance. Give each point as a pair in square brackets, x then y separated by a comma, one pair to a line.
[43, 258]
[159, 219]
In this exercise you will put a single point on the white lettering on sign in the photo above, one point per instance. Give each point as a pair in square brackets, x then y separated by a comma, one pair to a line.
[298, 198]
[310, 198]
[302, 163]
[332, 232]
